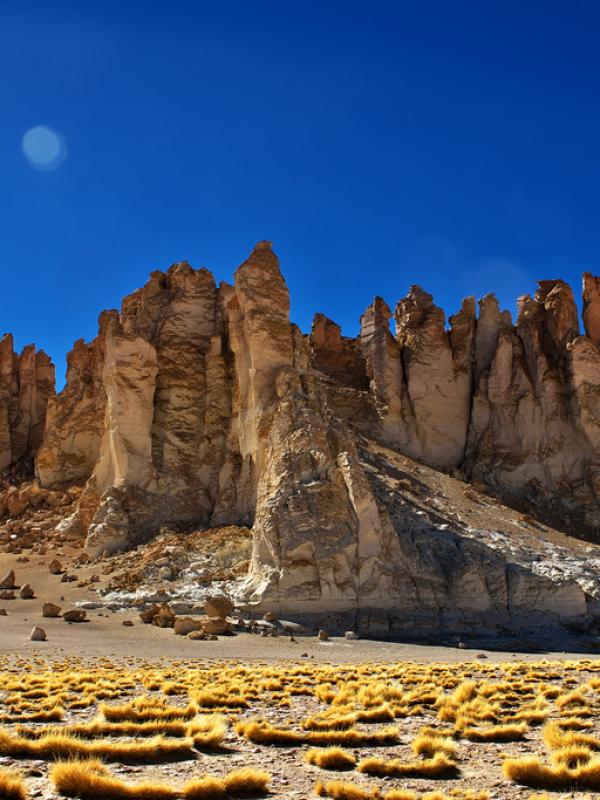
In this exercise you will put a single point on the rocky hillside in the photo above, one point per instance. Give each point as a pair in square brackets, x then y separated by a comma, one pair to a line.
[198, 407]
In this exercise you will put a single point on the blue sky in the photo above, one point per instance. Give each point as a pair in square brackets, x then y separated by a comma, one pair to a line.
[455, 145]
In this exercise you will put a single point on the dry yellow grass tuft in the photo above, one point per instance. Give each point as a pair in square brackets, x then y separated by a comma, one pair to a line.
[532, 772]
[57, 745]
[261, 732]
[331, 758]
[428, 743]
[496, 733]
[12, 786]
[91, 780]
[437, 767]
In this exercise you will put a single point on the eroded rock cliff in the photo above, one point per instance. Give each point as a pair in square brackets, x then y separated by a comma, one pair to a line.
[201, 406]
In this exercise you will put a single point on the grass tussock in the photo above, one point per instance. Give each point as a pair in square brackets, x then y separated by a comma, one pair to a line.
[145, 709]
[568, 775]
[91, 780]
[261, 732]
[59, 746]
[331, 758]
[439, 766]
[12, 786]
[497, 733]
[427, 744]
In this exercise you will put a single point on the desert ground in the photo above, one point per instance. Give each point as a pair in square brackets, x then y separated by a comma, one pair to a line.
[103, 709]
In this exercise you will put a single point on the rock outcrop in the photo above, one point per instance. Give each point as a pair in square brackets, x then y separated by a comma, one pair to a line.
[204, 406]
[26, 385]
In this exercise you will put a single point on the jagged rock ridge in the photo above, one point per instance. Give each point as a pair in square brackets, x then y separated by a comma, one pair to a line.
[203, 405]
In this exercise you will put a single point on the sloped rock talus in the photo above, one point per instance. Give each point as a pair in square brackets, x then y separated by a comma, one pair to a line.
[203, 405]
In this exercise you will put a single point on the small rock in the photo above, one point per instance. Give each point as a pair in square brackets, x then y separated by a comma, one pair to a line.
[26, 592]
[128, 623]
[323, 636]
[7, 595]
[66, 578]
[55, 567]
[3, 612]
[351, 635]
[38, 634]
[8, 581]
[481, 655]
[197, 635]
[461, 646]
[50, 610]
[75, 615]
[270, 616]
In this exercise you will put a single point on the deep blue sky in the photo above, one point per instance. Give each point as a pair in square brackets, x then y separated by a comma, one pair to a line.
[451, 144]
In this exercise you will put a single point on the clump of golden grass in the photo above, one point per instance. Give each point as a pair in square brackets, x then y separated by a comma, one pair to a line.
[339, 790]
[57, 745]
[261, 732]
[555, 737]
[206, 731]
[496, 733]
[428, 743]
[532, 772]
[331, 758]
[437, 767]
[146, 708]
[12, 786]
[91, 780]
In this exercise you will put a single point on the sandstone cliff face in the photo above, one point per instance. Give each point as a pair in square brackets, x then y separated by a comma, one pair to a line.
[199, 405]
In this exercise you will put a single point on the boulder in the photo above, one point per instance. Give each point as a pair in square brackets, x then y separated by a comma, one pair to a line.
[8, 580]
[50, 610]
[26, 592]
[165, 618]
[75, 615]
[148, 615]
[184, 625]
[55, 567]
[218, 606]
[38, 634]
[215, 625]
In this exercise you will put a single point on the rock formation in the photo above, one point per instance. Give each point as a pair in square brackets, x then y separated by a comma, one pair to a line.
[199, 405]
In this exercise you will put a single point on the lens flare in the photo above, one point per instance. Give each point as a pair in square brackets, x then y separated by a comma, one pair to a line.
[44, 148]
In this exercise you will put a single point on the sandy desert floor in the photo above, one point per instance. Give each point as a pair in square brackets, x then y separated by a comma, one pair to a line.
[410, 720]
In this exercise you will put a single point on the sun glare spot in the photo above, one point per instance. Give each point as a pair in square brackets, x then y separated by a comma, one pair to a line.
[44, 148]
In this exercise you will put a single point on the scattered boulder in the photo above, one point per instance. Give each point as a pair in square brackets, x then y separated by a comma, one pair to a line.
[27, 592]
[215, 625]
[75, 615]
[55, 567]
[185, 625]
[50, 610]
[165, 618]
[148, 615]
[218, 606]
[8, 581]
[7, 595]
[38, 634]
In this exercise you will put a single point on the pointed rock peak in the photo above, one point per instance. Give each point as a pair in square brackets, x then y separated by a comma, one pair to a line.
[263, 245]
[552, 286]
[325, 331]
[467, 309]
[7, 342]
[488, 302]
